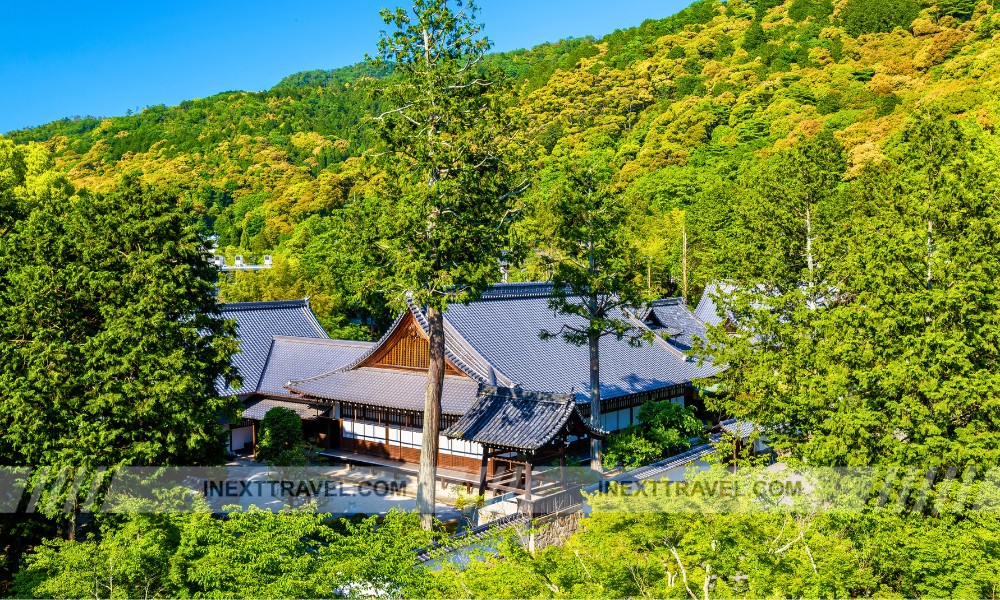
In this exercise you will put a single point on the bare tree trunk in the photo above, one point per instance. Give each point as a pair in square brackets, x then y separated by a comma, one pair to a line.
[930, 252]
[809, 257]
[426, 479]
[594, 341]
[684, 262]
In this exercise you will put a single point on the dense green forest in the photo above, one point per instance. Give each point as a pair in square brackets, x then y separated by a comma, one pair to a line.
[680, 107]
[834, 161]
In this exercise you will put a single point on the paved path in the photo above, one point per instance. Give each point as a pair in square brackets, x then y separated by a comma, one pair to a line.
[336, 490]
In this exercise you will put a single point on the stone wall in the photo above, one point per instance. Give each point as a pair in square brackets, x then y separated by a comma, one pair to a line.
[553, 530]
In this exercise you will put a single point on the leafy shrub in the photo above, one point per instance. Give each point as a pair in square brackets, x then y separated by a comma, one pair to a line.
[752, 130]
[550, 136]
[664, 429]
[863, 75]
[693, 66]
[722, 87]
[281, 438]
[688, 85]
[801, 94]
[724, 47]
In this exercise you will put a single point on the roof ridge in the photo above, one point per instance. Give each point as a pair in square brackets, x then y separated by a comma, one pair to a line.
[669, 301]
[657, 340]
[405, 372]
[263, 370]
[231, 306]
[525, 394]
[519, 289]
[323, 341]
[491, 404]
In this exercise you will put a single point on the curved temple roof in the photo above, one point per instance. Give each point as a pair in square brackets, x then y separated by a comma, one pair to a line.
[503, 327]
[495, 341]
[520, 420]
[257, 323]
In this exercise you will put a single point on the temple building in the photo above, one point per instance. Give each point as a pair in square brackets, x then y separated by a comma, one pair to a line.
[507, 392]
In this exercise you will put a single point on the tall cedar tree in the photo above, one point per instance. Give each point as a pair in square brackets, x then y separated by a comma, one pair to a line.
[109, 330]
[597, 269]
[438, 226]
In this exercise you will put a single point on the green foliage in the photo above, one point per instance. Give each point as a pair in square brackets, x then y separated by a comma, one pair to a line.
[594, 260]
[131, 560]
[536, 65]
[801, 10]
[593, 255]
[664, 429]
[281, 441]
[887, 332]
[688, 85]
[625, 47]
[109, 329]
[265, 171]
[828, 103]
[852, 360]
[877, 16]
[343, 75]
[960, 9]
[754, 37]
[252, 554]
[439, 221]
[676, 546]
[884, 105]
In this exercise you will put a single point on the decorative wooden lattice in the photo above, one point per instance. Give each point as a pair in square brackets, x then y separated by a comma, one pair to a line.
[410, 351]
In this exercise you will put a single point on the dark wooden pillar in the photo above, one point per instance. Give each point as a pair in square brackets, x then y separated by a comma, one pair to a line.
[482, 470]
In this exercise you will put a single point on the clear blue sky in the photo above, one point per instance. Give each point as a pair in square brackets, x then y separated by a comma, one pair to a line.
[98, 57]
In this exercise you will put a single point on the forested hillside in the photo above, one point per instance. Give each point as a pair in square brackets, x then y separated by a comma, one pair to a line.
[681, 107]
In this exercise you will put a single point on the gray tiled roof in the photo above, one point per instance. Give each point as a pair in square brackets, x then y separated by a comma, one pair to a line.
[388, 387]
[257, 409]
[519, 420]
[256, 325]
[736, 428]
[298, 358]
[707, 310]
[671, 318]
[503, 327]
[708, 307]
